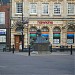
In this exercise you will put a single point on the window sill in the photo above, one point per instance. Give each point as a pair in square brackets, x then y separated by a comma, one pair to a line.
[18, 13]
[33, 14]
[45, 14]
[71, 15]
[56, 15]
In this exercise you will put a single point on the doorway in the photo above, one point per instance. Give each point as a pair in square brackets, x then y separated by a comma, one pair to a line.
[18, 41]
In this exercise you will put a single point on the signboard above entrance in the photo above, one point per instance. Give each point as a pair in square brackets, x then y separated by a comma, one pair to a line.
[45, 22]
[2, 31]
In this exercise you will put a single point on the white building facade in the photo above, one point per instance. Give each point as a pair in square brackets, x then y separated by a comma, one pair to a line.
[55, 19]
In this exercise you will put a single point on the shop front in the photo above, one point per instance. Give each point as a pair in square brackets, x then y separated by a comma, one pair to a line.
[2, 38]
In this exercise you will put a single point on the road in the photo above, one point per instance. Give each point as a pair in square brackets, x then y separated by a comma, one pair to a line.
[15, 64]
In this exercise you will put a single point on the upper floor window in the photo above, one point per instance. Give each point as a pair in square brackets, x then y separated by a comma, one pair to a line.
[57, 10]
[70, 8]
[2, 17]
[45, 8]
[33, 8]
[18, 7]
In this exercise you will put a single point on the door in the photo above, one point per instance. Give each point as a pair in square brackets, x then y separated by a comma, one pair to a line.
[17, 42]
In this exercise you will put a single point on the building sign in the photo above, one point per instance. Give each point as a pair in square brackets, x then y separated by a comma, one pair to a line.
[2, 31]
[32, 22]
[45, 22]
[57, 22]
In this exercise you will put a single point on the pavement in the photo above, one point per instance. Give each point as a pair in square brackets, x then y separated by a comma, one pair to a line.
[19, 63]
[35, 53]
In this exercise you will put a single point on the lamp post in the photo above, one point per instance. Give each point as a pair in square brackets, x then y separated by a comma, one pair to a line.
[26, 23]
[22, 28]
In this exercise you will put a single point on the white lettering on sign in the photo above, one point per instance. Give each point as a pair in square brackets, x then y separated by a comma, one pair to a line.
[57, 22]
[32, 22]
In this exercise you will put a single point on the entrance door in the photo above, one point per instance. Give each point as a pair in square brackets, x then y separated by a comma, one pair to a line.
[17, 42]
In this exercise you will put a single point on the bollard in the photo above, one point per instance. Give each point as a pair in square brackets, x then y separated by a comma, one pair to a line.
[13, 49]
[71, 50]
[29, 51]
[51, 48]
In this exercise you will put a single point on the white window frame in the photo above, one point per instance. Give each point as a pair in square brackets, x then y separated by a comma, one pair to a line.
[70, 41]
[2, 38]
[70, 9]
[2, 35]
[56, 41]
[45, 6]
[2, 17]
[19, 9]
[34, 8]
[58, 4]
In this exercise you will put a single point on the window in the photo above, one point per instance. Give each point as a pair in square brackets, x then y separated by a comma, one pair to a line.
[33, 29]
[70, 8]
[2, 38]
[2, 17]
[45, 8]
[56, 41]
[2, 35]
[57, 10]
[18, 7]
[33, 34]
[56, 35]
[33, 8]
[70, 35]
[45, 29]
[45, 33]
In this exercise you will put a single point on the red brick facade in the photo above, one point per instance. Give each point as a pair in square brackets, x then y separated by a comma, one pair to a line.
[6, 9]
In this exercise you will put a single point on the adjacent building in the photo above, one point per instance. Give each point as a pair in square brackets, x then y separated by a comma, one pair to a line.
[4, 25]
[55, 19]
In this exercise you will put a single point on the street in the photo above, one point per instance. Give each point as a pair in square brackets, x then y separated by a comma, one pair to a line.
[16, 64]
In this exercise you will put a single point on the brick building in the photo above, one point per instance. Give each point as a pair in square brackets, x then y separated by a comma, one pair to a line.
[4, 25]
[55, 19]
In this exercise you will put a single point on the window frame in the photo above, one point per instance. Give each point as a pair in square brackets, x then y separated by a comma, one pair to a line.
[56, 9]
[18, 8]
[43, 8]
[2, 17]
[70, 9]
[34, 8]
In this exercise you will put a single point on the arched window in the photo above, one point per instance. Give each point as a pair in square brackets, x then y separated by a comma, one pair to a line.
[56, 35]
[45, 29]
[70, 35]
[33, 29]
[33, 34]
[45, 32]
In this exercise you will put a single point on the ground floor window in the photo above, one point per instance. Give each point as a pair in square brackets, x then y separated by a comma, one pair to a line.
[56, 35]
[70, 38]
[70, 35]
[45, 33]
[2, 35]
[33, 34]
[2, 38]
[56, 38]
